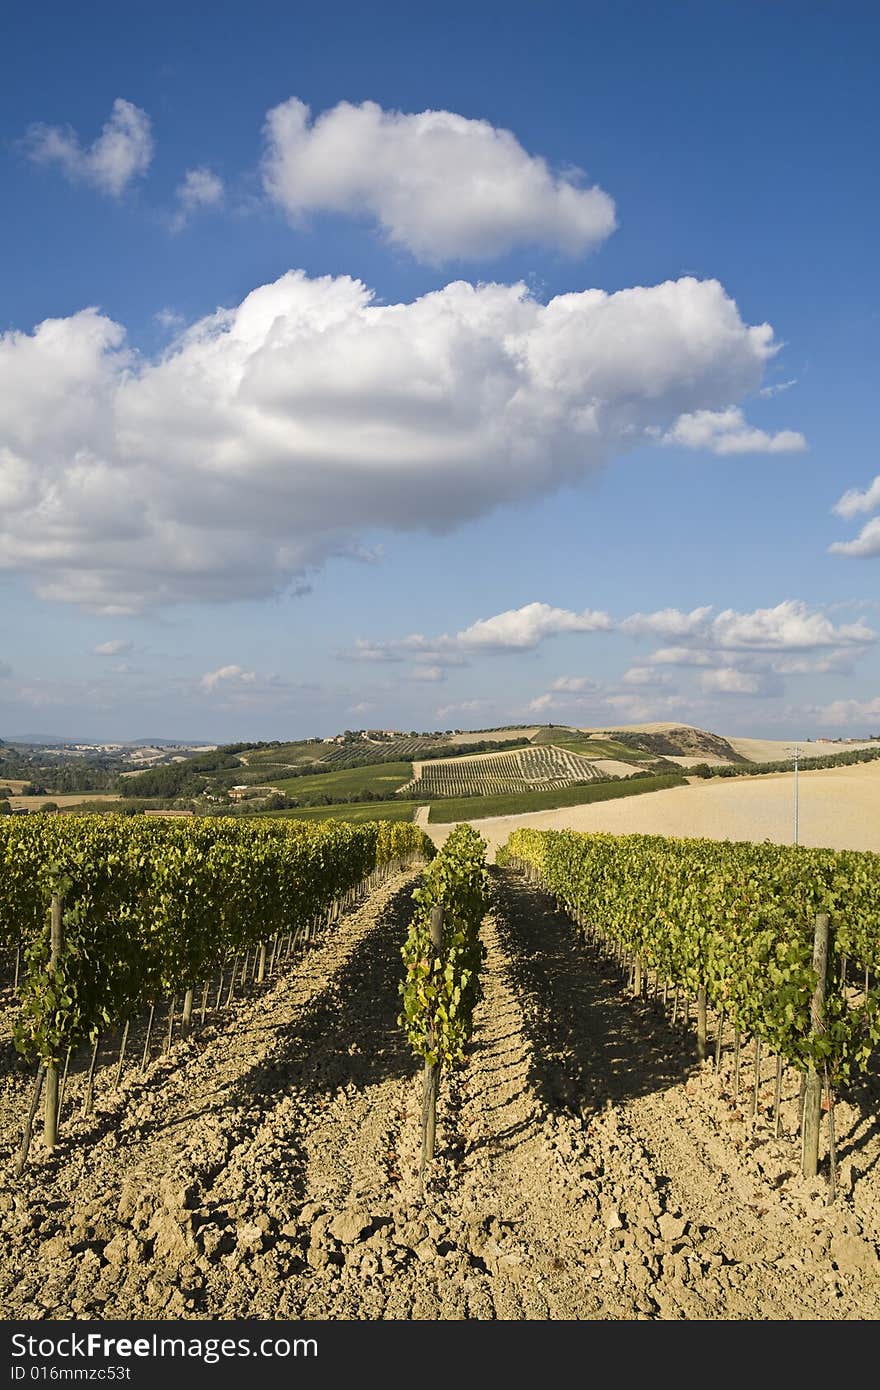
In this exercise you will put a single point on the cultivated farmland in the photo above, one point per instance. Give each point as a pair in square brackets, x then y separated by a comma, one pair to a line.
[837, 810]
[264, 1161]
[528, 769]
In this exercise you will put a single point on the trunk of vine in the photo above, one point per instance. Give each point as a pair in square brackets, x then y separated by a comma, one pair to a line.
[429, 1112]
[432, 1069]
[50, 1110]
[29, 1122]
[50, 1113]
[261, 967]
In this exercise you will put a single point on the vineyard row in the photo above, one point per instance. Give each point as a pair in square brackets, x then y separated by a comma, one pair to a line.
[784, 942]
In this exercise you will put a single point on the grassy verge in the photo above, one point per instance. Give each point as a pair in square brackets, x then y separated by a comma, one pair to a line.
[355, 811]
[472, 808]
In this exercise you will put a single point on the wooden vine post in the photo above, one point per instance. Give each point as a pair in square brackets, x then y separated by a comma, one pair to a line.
[186, 1016]
[813, 1089]
[432, 1069]
[56, 942]
[701, 1023]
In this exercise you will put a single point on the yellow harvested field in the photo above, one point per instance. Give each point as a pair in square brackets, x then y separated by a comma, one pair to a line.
[612, 767]
[63, 800]
[839, 808]
[493, 735]
[708, 758]
[772, 750]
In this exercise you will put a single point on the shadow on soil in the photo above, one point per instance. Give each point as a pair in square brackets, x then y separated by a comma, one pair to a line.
[357, 1009]
[357, 1005]
[592, 1042]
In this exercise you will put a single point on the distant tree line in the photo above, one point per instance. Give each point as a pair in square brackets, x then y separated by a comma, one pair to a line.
[845, 759]
[188, 778]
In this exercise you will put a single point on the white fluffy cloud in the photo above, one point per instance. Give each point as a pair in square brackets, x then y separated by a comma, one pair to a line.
[200, 188]
[440, 185]
[851, 504]
[226, 676]
[780, 639]
[266, 437]
[117, 646]
[855, 501]
[521, 628]
[645, 676]
[727, 680]
[728, 432]
[637, 709]
[789, 626]
[747, 653]
[850, 712]
[866, 543]
[573, 685]
[679, 656]
[777, 389]
[466, 707]
[122, 152]
[670, 623]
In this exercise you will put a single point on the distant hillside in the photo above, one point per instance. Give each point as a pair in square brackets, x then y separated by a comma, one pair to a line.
[677, 740]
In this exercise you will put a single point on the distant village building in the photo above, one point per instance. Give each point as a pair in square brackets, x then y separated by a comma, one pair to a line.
[238, 793]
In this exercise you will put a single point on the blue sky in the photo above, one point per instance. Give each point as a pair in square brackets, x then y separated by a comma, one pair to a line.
[315, 510]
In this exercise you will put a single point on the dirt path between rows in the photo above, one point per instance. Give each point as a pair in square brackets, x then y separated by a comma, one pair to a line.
[586, 1168]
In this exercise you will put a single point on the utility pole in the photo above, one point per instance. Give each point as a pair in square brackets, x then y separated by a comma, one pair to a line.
[796, 752]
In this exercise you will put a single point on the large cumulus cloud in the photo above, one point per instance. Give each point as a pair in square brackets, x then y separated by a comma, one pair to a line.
[270, 435]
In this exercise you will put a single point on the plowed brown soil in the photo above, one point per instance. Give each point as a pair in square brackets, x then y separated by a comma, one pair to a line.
[586, 1167]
